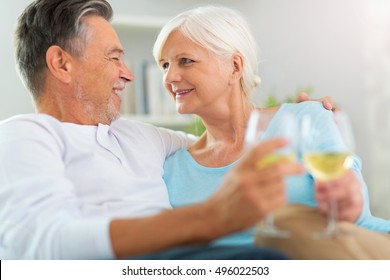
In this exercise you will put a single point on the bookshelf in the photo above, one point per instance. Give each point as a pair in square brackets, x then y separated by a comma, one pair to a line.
[145, 98]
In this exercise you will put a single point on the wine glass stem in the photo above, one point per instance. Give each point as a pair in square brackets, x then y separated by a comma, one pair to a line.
[332, 219]
[269, 220]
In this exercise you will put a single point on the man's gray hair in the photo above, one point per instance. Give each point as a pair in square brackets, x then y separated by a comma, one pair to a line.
[45, 23]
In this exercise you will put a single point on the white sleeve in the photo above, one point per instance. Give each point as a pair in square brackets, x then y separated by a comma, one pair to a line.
[39, 211]
[168, 141]
[174, 140]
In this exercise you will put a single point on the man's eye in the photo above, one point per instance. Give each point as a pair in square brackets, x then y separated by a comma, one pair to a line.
[115, 58]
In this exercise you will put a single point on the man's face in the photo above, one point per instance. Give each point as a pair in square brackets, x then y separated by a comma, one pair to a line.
[100, 74]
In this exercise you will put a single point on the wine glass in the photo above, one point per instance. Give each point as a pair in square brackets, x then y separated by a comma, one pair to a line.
[327, 162]
[261, 126]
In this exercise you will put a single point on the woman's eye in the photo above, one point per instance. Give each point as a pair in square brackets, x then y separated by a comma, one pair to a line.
[165, 65]
[186, 60]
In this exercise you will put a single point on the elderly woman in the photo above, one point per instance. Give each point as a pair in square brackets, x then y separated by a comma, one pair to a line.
[209, 60]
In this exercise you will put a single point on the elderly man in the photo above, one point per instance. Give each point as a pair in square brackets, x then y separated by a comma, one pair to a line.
[78, 182]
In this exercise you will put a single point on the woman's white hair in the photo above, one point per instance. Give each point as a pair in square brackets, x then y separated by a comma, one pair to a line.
[220, 30]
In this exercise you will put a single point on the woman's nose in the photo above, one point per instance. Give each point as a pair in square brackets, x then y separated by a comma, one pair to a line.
[172, 75]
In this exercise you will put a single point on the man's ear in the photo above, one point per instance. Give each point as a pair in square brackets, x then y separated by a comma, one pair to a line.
[59, 64]
[237, 66]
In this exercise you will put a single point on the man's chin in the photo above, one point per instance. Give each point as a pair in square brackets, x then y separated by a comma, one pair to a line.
[112, 117]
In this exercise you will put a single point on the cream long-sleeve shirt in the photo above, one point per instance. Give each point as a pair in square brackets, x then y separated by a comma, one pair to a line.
[61, 183]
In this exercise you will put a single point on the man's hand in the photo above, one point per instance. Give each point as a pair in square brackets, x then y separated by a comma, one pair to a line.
[249, 193]
[345, 191]
[327, 101]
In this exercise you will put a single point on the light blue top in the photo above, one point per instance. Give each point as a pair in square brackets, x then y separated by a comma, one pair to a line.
[189, 182]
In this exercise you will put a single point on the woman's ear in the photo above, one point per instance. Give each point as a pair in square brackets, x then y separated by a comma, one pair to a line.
[59, 64]
[237, 66]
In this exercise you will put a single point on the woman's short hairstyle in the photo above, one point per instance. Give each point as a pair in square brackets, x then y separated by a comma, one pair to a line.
[45, 23]
[220, 30]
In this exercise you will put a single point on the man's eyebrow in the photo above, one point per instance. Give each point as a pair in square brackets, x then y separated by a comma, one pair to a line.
[116, 50]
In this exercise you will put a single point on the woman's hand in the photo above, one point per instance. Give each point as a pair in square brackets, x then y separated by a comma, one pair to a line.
[346, 191]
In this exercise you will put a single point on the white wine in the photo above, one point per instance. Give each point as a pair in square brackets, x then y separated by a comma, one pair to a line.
[272, 158]
[327, 166]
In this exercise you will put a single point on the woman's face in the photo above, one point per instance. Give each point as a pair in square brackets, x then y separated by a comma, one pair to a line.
[197, 79]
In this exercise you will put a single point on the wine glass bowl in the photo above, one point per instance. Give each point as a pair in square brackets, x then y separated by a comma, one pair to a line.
[328, 165]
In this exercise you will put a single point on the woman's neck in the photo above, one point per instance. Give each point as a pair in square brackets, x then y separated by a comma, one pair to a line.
[223, 141]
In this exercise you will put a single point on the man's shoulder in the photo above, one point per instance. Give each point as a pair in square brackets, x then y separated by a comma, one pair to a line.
[29, 132]
[306, 105]
[33, 118]
[313, 108]
[127, 126]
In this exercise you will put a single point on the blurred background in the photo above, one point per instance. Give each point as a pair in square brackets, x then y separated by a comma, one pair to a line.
[339, 48]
